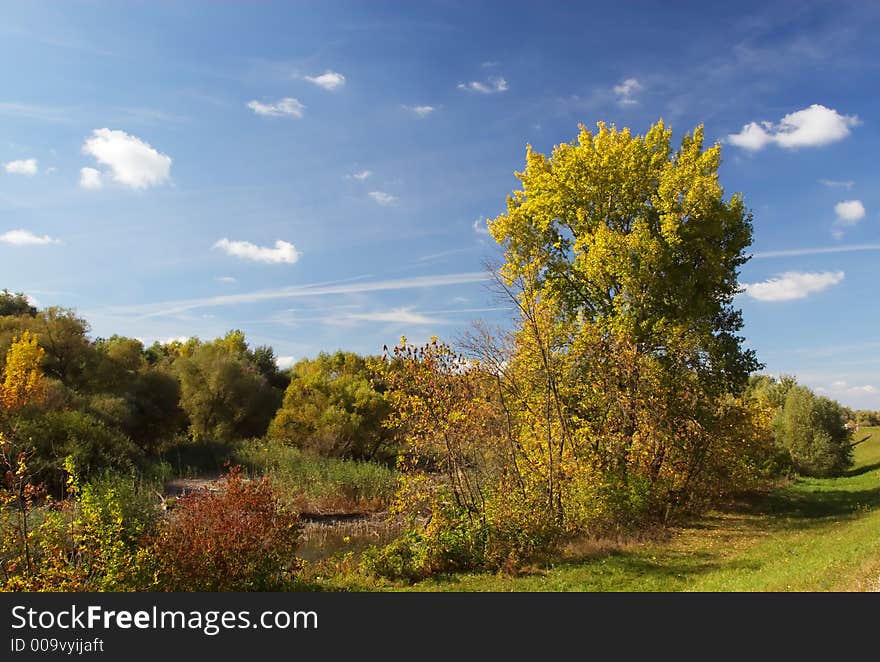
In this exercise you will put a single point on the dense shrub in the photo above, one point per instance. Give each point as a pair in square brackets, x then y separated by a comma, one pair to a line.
[93, 446]
[334, 407]
[814, 432]
[238, 539]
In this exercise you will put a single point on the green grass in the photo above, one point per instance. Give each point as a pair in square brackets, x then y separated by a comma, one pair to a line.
[812, 535]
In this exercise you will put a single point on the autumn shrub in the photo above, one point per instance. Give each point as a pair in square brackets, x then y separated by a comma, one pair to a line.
[97, 539]
[241, 538]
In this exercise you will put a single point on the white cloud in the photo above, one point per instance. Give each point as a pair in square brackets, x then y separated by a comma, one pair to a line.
[284, 362]
[225, 279]
[794, 252]
[300, 291]
[283, 253]
[360, 176]
[625, 91]
[793, 285]
[21, 167]
[26, 238]
[480, 227]
[384, 199]
[421, 111]
[131, 161]
[849, 212]
[841, 386]
[329, 80]
[286, 107]
[811, 127]
[394, 316]
[493, 85]
[89, 178]
[834, 183]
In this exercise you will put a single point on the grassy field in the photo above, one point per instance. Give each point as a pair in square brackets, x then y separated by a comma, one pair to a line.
[812, 535]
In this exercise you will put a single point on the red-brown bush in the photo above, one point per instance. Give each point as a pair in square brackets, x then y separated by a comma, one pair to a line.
[241, 538]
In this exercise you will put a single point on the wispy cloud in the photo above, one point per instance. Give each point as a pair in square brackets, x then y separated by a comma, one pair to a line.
[31, 111]
[226, 279]
[626, 90]
[26, 238]
[329, 80]
[811, 127]
[131, 161]
[442, 254]
[360, 176]
[21, 167]
[393, 316]
[492, 85]
[793, 285]
[795, 252]
[286, 107]
[480, 227]
[89, 178]
[833, 183]
[283, 252]
[384, 199]
[300, 291]
[419, 111]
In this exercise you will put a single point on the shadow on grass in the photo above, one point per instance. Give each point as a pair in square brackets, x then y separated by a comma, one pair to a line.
[792, 508]
[858, 471]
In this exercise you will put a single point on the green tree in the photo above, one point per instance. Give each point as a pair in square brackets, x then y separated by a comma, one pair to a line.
[223, 394]
[623, 255]
[333, 407]
[15, 304]
[814, 432]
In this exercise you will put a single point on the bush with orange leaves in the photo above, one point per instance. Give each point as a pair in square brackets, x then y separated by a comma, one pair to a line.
[241, 538]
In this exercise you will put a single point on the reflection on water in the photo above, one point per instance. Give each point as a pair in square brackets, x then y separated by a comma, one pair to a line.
[338, 535]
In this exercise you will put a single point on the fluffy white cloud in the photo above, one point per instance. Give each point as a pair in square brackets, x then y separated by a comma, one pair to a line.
[421, 111]
[89, 178]
[131, 161]
[491, 86]
[286, 107]
[360, 176]
[384, 199]
[626, 90]
[21, 167]
[284, 362]
[283, 252]
[849, 212]
[329, 80]
[793, 285]
[811, 127]
[26, 238]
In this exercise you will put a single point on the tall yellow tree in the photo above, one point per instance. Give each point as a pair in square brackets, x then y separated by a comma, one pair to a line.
[23, 381]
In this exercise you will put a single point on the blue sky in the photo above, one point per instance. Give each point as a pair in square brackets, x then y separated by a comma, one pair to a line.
[316, 173]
